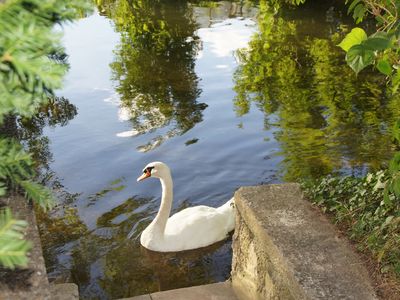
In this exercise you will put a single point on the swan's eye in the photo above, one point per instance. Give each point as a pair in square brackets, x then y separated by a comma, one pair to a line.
[148, 170]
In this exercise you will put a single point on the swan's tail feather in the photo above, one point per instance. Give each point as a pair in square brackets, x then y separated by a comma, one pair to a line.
[229, 205]
[228, 209]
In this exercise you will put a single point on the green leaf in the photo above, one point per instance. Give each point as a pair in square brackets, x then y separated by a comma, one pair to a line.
[380, 34]
[377, 43]
[13, 248]
[396, 131]
[386, 197]
[394, 164]
[384, 67]
[396, 186]
[38, 193]
[354, 37]
[359, 12]
[352, 5]
[358, 57]
[3, 189]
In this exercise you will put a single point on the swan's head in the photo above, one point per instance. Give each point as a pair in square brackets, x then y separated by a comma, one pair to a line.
[155, 169]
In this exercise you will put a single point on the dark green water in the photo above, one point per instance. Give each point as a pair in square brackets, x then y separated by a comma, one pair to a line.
[169, 81]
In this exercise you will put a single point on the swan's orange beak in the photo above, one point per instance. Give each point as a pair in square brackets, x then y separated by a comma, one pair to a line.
[145, 175]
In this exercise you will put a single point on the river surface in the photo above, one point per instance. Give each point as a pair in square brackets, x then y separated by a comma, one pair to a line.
[227, 95]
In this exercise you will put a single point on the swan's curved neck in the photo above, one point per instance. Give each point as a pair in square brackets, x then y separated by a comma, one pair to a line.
[160, 221]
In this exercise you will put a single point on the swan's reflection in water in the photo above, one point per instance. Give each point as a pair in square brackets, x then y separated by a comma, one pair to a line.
[109, 262]
[186, 267]
[130, 270]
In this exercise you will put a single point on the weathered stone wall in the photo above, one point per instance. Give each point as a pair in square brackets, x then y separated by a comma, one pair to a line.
[283, 248]
[31, 283]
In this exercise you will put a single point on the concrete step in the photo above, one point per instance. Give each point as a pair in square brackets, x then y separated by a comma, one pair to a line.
[64, 291]
[215, 291]
[284, 248]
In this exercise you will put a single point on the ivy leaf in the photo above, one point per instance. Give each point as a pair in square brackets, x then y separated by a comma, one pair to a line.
[384, 67]
[358, 57]
[354, 37]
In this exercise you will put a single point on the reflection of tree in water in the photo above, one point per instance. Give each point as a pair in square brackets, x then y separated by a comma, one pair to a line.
[57, 112]
[62, 224]
[147, 271]
[327, 117]
[154, 66]
[59, 228]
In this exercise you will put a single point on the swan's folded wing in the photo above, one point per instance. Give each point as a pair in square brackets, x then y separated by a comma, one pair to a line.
[189, 217]
[199, 225]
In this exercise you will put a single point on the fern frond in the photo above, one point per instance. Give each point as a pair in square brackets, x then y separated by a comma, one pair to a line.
[13, 248]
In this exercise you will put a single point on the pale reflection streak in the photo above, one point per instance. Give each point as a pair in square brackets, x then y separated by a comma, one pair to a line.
[225, 38]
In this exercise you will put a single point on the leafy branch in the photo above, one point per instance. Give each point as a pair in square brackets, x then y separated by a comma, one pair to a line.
[13, 247]
[16, 169]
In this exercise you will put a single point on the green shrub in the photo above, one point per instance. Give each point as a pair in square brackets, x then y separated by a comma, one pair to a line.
[358, 203]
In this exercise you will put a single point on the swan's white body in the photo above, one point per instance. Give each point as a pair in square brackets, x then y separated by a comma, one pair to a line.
[191, 228]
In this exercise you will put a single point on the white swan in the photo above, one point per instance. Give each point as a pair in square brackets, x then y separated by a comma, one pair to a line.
[191, 228]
